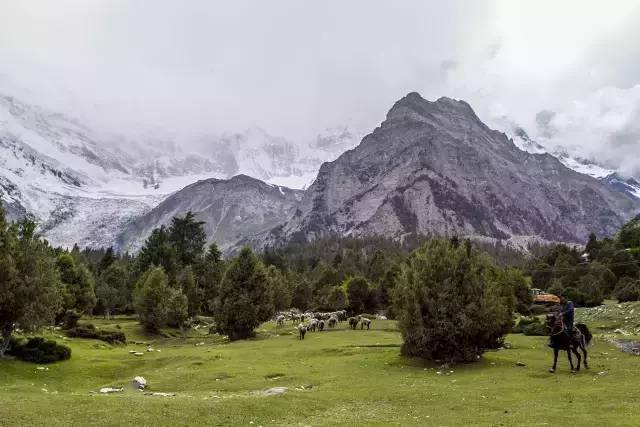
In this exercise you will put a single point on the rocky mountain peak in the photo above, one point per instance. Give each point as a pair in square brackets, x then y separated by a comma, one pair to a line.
[434, 168]
[414, 107]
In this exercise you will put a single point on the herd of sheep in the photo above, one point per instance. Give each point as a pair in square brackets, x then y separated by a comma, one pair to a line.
[312, 322]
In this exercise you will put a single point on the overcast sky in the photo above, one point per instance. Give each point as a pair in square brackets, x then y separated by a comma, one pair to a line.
[297, 67]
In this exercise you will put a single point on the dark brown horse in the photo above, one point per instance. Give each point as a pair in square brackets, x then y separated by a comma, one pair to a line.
[561, 340]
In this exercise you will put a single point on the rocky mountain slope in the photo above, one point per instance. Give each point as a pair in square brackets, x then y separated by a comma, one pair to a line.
[234, 211]
[435, 168]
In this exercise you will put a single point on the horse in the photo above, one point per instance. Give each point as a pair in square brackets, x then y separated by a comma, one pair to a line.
[560, 340]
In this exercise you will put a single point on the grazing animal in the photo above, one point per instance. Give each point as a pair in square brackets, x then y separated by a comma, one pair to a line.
[280, 320]
[333, 322]
[302, 329]
[365, 322]
[321, 325]
[560, 340]
[313, 324]
[353, 322]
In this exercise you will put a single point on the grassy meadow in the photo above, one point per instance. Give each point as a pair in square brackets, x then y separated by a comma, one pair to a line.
[335, 377]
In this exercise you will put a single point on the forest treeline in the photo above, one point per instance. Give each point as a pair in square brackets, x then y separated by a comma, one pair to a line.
[176, 276]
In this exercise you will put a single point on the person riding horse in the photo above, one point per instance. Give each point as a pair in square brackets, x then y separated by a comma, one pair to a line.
[567, 313]
[560, 337]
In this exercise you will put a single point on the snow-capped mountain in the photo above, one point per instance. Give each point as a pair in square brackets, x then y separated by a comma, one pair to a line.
[83, 186]
[613, 178]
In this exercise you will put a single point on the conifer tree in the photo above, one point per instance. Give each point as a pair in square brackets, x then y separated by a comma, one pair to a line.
[243, 300]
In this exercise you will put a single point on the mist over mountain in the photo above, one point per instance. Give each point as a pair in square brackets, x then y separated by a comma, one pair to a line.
[83, 185]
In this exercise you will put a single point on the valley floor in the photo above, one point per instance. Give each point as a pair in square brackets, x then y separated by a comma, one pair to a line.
[337, 377]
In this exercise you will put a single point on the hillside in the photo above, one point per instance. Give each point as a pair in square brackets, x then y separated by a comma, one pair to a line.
[233, 210]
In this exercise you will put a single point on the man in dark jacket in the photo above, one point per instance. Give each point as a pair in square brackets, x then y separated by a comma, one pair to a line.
[567, 314]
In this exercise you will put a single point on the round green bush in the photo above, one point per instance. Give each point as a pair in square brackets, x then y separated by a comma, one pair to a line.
[39, 350]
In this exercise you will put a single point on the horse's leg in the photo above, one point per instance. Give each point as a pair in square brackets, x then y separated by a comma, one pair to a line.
[555, 360]
[570, 359]
[584, 351]
[575, 351]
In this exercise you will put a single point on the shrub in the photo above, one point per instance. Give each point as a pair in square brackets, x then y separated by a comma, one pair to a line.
[91, 332]
[70, 319]
[523, 322]
[39, 350]
[627, 289]
[535, 329]
[537, 310]
[452, 303]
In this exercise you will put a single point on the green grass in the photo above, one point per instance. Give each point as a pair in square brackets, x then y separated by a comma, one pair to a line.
[357, 378]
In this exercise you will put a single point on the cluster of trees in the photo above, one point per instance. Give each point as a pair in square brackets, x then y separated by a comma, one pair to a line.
[452, 299]
[607, 268]
[175, 277]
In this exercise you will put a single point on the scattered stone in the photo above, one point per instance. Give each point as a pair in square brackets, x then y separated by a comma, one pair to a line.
[603, 373]
[137, 353]
[307, 387]
[150, 350]
[160, 394]
[107, 390]
[520, 364]
[132, 352]
[42, 368]
[274, 391]
[507, 345]
[199, 344]
[139, 383]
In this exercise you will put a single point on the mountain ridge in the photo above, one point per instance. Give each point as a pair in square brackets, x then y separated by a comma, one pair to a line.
[435, 168]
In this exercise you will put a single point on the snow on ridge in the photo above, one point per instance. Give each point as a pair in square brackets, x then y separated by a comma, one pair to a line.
[590, 169]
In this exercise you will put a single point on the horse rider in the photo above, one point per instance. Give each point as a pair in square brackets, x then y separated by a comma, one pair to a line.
[567, 314]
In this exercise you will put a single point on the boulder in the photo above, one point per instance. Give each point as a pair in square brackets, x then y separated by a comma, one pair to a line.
[139, 383]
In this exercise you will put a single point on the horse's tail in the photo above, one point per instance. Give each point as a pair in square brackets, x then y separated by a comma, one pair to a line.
[584, 330]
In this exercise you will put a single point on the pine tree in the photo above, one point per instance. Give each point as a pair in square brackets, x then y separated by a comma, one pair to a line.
[280, 288]
[243, 300]
[178, 310]
[188, 238]
[151, 298]
[108, 259]
[357, 289]
[77, 282]
[187, 285]
[158, 251]
[338, 299]
[29, 280]
[111, 288]
[210, 275]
